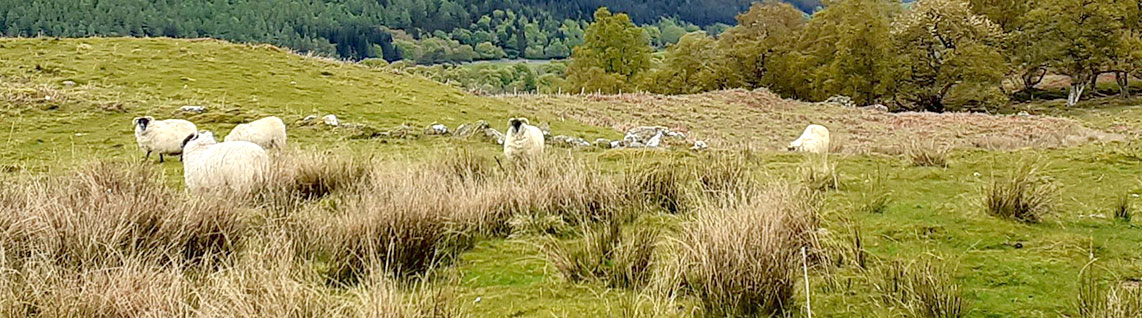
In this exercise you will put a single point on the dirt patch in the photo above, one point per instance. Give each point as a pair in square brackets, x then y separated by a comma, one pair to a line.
[762, 120]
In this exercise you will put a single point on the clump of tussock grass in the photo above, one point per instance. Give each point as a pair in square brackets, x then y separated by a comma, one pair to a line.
[1098, 299]
[1123, 211]
[719, 176]
[467, 167]
[133, 288]
[874, 199]
[1023, 196]
[605, 254]
[819, 175]
[299, 177]
[566, 187]
[927, 154]
[81, 220]
[658, 186]
[922, 288]
[741, 259]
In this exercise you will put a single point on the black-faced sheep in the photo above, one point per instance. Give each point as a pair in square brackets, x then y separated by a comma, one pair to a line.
[162, 136]
[522, 140]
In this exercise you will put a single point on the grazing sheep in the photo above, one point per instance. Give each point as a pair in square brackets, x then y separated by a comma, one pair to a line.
[162, 136]
[269, 132]
[236, 166]
[522, 140]
[815, 139]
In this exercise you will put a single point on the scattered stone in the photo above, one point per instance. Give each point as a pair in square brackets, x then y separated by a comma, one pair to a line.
[699, 145]
[545, 128]
[436, 130]
[193, 109]
[616, 144]
[603, 143]
[841, 100]
[402, 132]
[469, 130]
[650, 136]
[877, 107]
[1023, 114]
[493, 134]
[331, 120]
[68, 83]
[309, 119]
[568, 141]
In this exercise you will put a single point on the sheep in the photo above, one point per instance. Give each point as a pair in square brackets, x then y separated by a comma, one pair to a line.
[522, 140]
[162, 136]
[815, 139]
[269, 133]
[237, 166]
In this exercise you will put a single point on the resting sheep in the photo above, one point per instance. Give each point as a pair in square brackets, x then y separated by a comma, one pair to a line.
[269, 133]
[162, 136]
[236, 166]
[815, 139]
[522, 140]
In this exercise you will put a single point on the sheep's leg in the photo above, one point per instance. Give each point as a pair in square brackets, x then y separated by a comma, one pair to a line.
[147, 156]
[161, 160]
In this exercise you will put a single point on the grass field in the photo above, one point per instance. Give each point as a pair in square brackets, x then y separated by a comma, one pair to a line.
[890, 235]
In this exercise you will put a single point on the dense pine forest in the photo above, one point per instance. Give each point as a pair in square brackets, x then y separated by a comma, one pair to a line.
[425, 31]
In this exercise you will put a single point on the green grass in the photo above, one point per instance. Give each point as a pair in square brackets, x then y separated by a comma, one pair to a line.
[933, 212]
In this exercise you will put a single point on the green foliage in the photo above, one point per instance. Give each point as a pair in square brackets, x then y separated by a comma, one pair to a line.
[688, 67]
[615, 52]
[749, 49]
[848, 47]
[1081, 36]
[949, 56]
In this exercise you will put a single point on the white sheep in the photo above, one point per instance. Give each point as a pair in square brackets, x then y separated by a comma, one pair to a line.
[522, 140]
[269, 133]
[237, 166]
[815, 139]
[162, 136]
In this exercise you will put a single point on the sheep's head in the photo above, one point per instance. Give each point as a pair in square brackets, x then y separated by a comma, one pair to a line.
[516, 123]
[794, 145]
[142, 122]
[204, 137]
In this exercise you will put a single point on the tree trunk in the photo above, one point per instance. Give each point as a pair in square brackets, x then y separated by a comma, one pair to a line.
[1123, 84]
[1076, 93]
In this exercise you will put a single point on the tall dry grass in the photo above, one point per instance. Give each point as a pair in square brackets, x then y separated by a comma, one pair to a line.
[741, 259]
[1100, 299]
[1024, 195]
[923, 289]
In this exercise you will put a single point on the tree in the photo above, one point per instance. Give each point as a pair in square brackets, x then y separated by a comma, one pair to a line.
[1128, 58]
[848, 50]
[1080, 35]
[615, 51]
[1025, 55]
[688, 67]
[946, 50]
[765, 31]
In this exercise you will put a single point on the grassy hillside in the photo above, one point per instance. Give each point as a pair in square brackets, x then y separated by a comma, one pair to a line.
[886, 210]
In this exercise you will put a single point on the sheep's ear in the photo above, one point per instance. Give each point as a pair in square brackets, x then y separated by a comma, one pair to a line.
[524, 121]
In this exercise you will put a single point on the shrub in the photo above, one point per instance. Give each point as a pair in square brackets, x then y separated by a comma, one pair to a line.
[923, 289]
[927, 154]
[1023, 196]
[741, 260]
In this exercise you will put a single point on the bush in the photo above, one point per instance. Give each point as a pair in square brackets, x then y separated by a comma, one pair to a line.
[1023, 196]
[924, 289]
[742, 260]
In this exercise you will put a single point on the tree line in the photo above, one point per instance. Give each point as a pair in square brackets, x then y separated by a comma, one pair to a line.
[426, 31]
[932, 55]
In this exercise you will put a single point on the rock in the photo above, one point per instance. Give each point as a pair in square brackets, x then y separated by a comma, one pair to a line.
[470, 130]
[68, 83]
[309, 119]
[331, 120]
[568, 141]
[616, 144]
[655, 141]
[545, 128]
[436, 129]
[650, 136]
[699, 145]
[877, 107]
[402, 132]
[193, 109]
[603, 143]
[1023, 114]
[841, 100]
[494, 135]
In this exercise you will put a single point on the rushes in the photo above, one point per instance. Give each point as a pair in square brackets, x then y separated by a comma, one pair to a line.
[923, 289]
[1024, 196]
[1122, 209]
[927, 154]
[605, 254]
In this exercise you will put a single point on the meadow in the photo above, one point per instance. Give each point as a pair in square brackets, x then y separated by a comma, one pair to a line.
[912, 215]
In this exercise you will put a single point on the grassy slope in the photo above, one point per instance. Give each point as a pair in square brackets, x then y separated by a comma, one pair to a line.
[933, 211]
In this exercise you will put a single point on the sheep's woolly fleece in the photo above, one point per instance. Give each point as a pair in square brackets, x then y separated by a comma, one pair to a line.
[163, 137]
[269, 133]
[235, 166]
[815, 139]
[522, 140]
